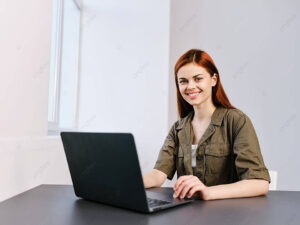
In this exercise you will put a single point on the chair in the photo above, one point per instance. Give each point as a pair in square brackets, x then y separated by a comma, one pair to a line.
[273, 184]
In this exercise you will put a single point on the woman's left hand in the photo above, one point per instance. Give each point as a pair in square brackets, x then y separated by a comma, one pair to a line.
[190, 185]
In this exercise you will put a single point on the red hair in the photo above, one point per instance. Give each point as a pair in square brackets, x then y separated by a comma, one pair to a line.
[202, 59]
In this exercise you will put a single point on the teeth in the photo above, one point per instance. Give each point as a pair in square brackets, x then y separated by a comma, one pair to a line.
[193, 94]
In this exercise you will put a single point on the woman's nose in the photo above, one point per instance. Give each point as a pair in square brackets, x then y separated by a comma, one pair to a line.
[191, 85]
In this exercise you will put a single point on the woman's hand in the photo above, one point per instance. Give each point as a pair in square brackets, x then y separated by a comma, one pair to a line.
[192, 186]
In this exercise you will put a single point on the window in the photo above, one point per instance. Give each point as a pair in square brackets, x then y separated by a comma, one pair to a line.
[63, 83]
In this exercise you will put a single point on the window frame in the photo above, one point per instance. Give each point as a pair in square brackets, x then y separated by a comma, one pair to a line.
[53, 125]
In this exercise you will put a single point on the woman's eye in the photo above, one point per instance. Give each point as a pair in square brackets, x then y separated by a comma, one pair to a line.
[198, 78]
[182, 81]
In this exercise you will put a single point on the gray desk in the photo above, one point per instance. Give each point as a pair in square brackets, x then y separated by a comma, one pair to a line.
[57, 204]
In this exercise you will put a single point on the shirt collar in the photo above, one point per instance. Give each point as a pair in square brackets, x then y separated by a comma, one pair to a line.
[216, 119]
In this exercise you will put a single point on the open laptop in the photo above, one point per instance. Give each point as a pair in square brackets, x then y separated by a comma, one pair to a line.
[104, 167]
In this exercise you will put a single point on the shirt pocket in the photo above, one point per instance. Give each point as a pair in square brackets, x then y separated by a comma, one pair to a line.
[218, 158]
[180, 162]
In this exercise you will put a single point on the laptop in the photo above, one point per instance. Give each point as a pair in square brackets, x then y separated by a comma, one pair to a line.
[105, 168]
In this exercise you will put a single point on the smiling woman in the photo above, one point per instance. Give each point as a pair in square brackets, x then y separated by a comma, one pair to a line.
[213, 147]
[207, 76]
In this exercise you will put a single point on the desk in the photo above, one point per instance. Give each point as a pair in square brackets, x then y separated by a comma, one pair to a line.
[57, 204]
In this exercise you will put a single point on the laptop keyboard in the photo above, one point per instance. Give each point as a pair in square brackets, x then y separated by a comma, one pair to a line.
[155, 202]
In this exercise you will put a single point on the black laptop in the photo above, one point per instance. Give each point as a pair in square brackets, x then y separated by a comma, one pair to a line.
[105, 168]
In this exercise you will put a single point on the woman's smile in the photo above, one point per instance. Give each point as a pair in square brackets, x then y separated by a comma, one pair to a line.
[193, 95]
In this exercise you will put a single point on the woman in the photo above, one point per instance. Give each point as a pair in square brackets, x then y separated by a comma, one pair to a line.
[213, 147]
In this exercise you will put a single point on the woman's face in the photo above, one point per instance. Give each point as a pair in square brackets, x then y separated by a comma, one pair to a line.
[195, 83]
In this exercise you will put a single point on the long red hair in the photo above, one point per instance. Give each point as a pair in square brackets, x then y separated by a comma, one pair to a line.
[202, 59]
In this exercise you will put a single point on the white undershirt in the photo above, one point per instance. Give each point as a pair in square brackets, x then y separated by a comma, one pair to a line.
[194, 147]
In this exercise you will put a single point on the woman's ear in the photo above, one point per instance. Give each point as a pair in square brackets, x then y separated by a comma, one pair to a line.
[215, 79]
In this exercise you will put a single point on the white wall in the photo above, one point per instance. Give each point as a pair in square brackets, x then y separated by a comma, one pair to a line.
[124, 71]
[30, 161]
[27, 157]
[24, 72]
[255, 45]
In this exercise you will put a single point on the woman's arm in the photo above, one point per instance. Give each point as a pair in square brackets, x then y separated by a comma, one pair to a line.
[165, 164]
[155, 178]
[192, 186]
[243, 188]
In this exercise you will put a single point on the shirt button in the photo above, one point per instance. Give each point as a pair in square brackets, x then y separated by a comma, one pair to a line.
[200, 157]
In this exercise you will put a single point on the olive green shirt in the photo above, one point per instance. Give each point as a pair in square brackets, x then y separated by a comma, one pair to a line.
[227, 152]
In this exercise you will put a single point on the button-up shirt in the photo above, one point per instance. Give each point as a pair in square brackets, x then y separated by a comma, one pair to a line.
[227, 152]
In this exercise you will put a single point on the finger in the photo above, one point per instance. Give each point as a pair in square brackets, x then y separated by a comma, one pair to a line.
[195, 189]
[182, 185]
[187, 188]
[193, 179]
[180, 180]
[188, 179]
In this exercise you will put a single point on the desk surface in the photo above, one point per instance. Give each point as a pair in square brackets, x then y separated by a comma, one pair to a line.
[57, 204]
